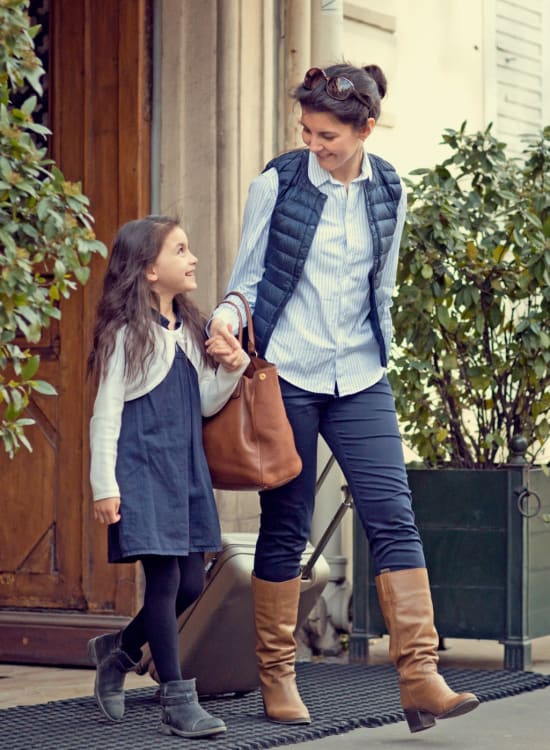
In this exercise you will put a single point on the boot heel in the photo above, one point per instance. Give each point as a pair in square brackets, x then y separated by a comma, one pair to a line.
[418, 720]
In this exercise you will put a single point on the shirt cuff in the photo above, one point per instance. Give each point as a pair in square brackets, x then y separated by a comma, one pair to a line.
[228, 315]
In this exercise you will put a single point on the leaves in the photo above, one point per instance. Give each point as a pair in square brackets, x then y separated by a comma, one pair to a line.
[46, 240]
[472, 305]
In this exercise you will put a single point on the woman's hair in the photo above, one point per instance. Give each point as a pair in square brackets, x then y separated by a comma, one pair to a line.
[369, 81]
[128, 300]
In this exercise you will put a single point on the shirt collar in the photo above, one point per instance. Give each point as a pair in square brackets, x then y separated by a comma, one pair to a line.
[318, 175]
[165, 322]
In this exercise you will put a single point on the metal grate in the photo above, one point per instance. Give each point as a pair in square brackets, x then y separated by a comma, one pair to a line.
[340, 698]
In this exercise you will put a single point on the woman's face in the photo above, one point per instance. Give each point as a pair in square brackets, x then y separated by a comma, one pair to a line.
[335, 144]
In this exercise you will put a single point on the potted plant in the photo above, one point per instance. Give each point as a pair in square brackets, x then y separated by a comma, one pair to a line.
[471, 377]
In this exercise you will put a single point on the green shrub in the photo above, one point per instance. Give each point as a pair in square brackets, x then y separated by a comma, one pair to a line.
[472, 365]
[46, 236]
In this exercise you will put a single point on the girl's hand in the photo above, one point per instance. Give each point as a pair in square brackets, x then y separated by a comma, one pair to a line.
[107, 510]
[225, 349]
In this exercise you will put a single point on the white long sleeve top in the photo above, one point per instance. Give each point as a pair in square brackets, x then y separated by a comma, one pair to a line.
[216, 386]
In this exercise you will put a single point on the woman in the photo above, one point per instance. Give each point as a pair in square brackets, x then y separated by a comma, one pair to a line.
[317, 262]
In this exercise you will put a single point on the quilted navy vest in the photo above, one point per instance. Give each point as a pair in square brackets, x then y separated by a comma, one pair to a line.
[293, 224]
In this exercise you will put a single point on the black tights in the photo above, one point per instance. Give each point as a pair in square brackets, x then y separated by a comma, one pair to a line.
[171, 585]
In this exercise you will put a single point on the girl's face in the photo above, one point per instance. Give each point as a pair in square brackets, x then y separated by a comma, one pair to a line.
[173, 271]
[338, 146]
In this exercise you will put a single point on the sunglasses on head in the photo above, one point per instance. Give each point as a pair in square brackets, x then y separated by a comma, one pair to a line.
[337, 87]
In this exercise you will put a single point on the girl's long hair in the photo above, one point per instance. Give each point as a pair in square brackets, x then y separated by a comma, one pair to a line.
[128, 300]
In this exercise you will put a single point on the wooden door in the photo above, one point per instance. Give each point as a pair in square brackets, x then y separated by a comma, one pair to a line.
[56, 588]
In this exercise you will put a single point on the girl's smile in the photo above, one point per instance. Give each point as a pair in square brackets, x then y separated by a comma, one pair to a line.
[173, 271]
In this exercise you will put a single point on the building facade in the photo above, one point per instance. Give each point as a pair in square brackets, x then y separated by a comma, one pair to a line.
[174, 106]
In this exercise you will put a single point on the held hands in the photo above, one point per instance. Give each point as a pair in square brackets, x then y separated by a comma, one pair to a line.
[223, 347]
[107, 510]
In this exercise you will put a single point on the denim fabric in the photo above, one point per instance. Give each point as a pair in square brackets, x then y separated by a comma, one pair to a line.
[167, 502]
[362, 432]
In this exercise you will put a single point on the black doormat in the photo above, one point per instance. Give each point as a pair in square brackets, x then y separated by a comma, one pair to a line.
[341, 697]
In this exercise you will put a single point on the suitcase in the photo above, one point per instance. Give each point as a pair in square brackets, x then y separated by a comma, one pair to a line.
[217, 634]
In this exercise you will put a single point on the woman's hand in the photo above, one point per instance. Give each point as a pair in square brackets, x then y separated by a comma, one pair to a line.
[224, 348]
[107, 510]
[218, 326]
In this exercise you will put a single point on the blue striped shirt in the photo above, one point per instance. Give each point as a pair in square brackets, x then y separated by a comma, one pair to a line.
[323, 338]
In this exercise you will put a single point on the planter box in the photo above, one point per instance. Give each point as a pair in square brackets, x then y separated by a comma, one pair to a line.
[487, 551]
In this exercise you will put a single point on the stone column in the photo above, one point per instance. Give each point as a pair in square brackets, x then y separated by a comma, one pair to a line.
[216, 125]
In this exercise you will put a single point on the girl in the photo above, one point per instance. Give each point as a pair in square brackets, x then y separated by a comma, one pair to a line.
[317, 262]
[149, 475]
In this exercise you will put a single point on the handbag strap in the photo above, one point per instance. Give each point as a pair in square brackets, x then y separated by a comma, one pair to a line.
[238, 309]
[237, 392]
[250, 326]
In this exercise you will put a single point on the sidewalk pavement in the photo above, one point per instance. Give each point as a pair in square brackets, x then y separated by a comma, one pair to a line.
[518, 723]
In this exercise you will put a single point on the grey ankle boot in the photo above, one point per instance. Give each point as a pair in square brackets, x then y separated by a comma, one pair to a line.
[112, 666]
[182, 714]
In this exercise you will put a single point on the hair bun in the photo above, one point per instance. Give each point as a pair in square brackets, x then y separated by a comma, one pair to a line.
[379, 78]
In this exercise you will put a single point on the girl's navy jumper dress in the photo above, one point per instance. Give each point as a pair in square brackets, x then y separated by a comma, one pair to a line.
[167, 503]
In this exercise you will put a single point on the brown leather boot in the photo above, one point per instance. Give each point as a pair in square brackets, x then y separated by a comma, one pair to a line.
[275, 614]
[406, 604]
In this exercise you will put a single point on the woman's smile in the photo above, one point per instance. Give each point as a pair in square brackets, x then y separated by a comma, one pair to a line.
[321, 130]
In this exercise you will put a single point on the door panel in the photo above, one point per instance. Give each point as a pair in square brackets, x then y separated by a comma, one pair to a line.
[52, 554]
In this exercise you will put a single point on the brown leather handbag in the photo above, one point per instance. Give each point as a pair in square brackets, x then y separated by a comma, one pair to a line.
[249, 443]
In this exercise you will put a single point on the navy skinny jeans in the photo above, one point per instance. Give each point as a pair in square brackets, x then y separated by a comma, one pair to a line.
[361, 431]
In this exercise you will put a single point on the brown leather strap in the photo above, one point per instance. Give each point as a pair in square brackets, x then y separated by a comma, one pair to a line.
[238, 309]
[251, 338]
